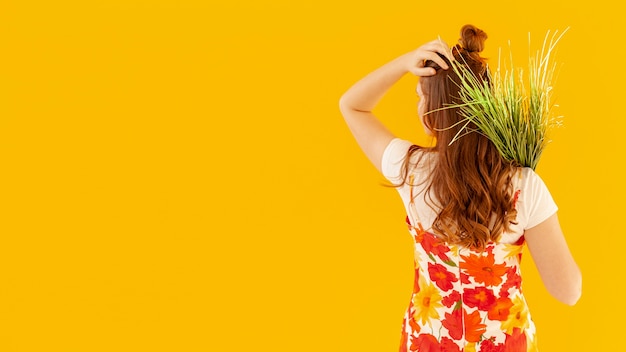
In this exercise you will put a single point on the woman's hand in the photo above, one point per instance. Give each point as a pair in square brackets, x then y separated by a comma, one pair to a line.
[416, 59]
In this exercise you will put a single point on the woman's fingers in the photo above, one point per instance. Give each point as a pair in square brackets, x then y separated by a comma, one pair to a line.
[432, 56]
[430, 51]
[423, 71]
[441, 47]
[445, 50]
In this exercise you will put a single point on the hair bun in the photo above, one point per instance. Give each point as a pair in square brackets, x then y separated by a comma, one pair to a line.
[472, 38]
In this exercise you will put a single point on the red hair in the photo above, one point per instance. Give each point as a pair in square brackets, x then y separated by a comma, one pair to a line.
[470, 183]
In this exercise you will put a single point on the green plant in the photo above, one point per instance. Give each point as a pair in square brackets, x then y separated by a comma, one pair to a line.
[515, 111]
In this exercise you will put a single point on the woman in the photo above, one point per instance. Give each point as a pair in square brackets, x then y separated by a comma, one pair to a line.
[469, 211]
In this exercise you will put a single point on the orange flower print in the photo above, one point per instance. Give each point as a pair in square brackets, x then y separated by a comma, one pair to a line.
[513, 280]
[414, 325]
[419, 230]
[489, 346]
[434, 246]
[518, 316]
[451, 299]
[500, 311]
[479, 297]
[447, 345]
[404, 338]
[426, 302]
[468, 324]
[465, 279]
[441, 276]
[425, 343]
[483, 269]
[516, 342]
[454, 323]
[416, 286]
[473, 326]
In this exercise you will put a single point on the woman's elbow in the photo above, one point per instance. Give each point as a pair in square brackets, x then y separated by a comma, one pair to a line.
[571, 292]
[577, 291]
[572, 298]
[344, 103]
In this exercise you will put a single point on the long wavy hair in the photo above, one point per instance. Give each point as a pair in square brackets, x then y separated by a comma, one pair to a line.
[470, 184]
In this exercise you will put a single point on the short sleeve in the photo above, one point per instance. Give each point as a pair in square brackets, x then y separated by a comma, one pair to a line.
[537, 204]
[393, 157]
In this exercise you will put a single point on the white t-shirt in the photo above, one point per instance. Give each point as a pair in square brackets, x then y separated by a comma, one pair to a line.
[534, 205]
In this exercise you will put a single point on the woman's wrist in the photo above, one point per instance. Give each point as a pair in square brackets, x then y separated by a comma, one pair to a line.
[366, 93]
[404, 62]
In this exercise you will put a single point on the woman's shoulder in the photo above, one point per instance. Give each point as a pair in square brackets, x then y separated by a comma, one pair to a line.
[527, 178]
[535, 203]
[397, 146]
[395, 155]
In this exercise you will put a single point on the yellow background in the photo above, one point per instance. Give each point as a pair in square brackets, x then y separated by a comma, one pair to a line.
[176, 175]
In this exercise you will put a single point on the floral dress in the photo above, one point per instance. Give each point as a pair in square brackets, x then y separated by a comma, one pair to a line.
[465, 300]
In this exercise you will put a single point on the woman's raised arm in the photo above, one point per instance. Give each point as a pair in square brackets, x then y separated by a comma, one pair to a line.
[357, 103]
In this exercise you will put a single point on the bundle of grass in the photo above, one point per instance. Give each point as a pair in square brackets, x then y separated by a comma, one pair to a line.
[513, 110]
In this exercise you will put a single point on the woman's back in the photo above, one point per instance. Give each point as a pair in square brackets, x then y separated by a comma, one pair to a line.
[466, 298]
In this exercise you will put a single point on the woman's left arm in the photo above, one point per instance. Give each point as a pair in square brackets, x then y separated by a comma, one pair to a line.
[555, 263]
